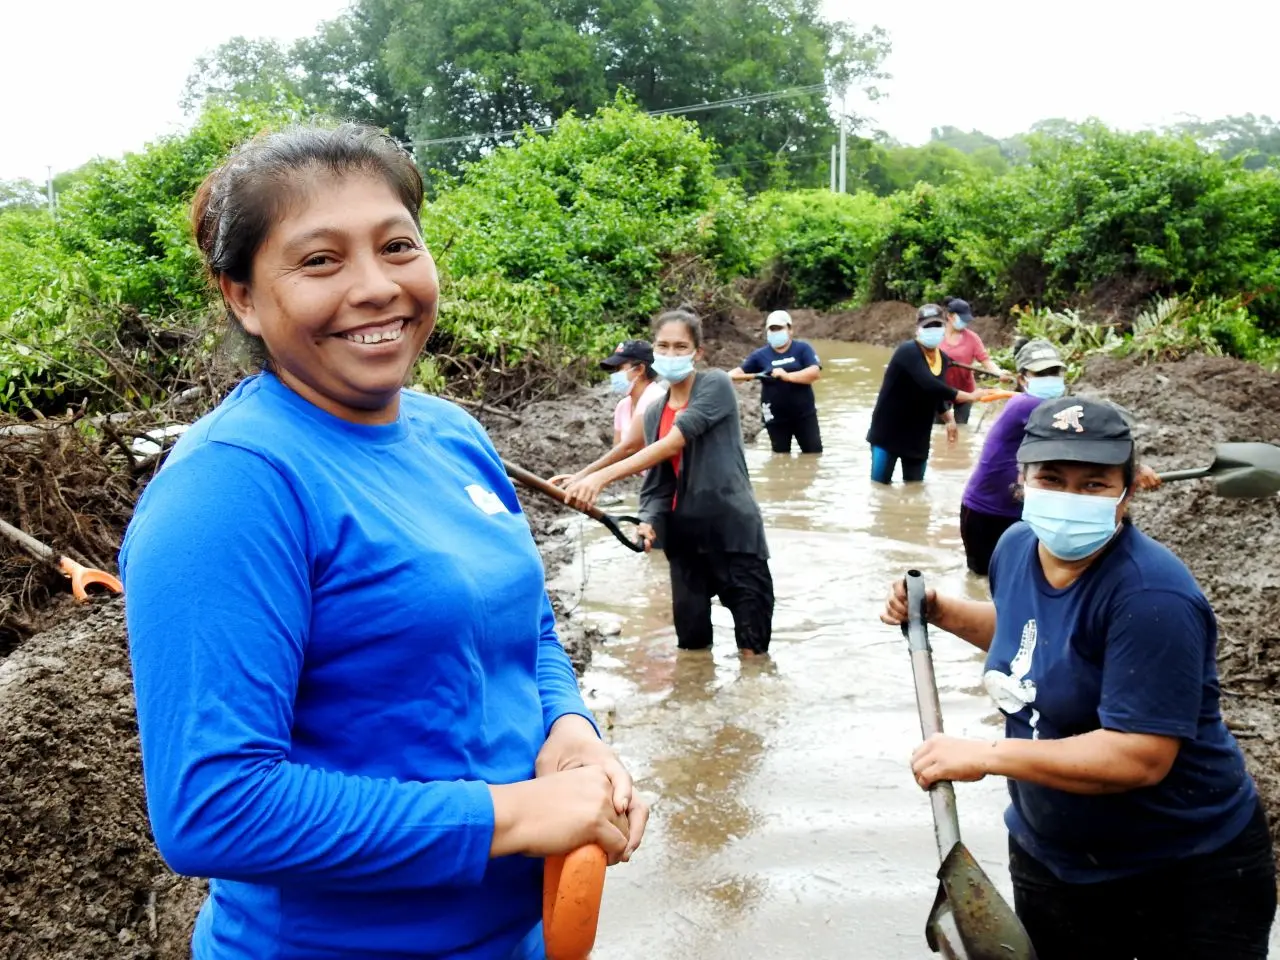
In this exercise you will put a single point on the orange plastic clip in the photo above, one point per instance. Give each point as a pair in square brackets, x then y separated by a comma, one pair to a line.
[82, 576]
[572, 886]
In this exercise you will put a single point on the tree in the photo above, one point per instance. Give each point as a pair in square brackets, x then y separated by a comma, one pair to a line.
[21, 194]
[434, 70]
[345, 72]
[244, 71]
[1257, 138]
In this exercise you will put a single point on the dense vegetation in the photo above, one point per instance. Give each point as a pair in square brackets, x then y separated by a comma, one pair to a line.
[552, 248]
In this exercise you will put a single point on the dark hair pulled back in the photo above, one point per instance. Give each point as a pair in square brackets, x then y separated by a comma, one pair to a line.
[237, 205]
[683, 315]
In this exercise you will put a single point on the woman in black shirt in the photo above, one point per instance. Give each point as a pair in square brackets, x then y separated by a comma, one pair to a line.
[697, 494]
[913, 392]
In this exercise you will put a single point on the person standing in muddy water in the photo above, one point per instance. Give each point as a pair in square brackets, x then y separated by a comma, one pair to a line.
[962, 345]
[363, 728]
[914, 390]
[787, 370]
[1135, 829]
[697, 495]
[631, 374]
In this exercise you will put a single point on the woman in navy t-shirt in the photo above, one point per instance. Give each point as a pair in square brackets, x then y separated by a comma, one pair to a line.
[1134, 828]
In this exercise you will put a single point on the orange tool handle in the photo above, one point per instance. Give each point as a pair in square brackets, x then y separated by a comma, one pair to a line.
[995, 395]
[82, 576]
[572, 885]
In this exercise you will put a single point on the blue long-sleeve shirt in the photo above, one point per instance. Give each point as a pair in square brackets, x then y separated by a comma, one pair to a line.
[340, 635]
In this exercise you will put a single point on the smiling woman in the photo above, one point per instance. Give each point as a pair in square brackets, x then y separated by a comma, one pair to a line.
[368, 732]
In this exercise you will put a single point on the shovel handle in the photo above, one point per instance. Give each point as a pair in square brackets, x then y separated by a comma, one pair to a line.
[1194, 473]
[612, 523]
[572, 886]
[942, 796]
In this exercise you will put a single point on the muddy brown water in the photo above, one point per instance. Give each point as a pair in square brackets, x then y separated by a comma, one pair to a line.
[785, 821]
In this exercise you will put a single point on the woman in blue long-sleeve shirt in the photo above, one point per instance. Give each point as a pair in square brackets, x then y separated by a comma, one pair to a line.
[355, 715]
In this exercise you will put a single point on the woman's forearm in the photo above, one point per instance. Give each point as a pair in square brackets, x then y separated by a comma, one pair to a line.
[1098, 762]
[650, 456]
[973, 621]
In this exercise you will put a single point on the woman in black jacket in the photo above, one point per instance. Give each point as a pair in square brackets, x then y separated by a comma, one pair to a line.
[913, 392]
[697, 494]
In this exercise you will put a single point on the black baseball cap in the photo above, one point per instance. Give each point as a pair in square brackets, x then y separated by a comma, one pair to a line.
[1076, 429]
[629, 351]
[961, 309]
[930, 313]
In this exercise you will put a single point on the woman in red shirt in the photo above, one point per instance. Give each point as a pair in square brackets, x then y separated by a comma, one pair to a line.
[962, 345]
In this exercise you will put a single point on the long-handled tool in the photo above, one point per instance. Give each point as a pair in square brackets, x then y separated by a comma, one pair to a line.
[969, 919]
[572, 886]
[1243, 470]
[981, 371]
[79, 575]
[535, 482]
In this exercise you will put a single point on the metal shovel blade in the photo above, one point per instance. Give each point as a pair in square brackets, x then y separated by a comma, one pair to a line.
[969, 919]
[1239, 470]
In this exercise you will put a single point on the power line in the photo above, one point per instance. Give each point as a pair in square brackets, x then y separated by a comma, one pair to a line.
[745, 100]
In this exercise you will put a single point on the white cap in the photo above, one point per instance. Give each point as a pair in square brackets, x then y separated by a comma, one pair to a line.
[778, 316]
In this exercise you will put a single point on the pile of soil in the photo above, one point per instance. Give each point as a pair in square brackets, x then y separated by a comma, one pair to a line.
[1181, 411]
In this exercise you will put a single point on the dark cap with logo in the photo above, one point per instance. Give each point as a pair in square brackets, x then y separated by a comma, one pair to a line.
[930, 314]
[1076, 429]
[961, 309]
[630, 351]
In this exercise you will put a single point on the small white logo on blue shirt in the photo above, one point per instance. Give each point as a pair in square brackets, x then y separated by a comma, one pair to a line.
[486, 500]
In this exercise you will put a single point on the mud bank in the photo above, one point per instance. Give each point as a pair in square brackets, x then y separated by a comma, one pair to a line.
[1182, 409]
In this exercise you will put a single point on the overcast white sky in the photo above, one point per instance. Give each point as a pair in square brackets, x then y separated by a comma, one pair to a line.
[80, 78]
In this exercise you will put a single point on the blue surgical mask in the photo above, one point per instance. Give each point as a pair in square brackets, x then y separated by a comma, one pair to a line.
[1070, 525]
[959, 323]
[619, 382]
[931, 337]
[777, 338]
[1046, 388]
[673, 369]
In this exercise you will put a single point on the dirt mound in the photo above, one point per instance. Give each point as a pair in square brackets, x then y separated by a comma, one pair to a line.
[887, 323]
[81, 875]
[1181, 410]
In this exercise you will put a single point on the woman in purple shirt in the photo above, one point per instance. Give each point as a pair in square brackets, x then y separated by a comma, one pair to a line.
[988, 508]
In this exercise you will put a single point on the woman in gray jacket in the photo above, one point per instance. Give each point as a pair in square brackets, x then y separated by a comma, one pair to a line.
[697, 495]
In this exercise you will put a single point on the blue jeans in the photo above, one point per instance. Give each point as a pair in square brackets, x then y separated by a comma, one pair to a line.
[883, 462]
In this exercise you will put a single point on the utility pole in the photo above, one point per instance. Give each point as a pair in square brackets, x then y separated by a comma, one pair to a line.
[49, 189]
[834, 148]
[844, 157]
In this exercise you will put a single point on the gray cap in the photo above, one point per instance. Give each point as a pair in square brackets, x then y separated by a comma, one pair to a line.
[1037, 356]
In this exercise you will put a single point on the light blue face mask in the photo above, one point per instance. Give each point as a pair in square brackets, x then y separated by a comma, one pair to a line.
[1046, 388]
[777, 338]
[931, 337]
[673, 369]
[1071, 526]
[960, 323]
[619, 382]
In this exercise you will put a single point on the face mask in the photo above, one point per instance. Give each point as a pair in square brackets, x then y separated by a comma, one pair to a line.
[673, 369]
[1046, 388]
[619, 382]
[959, 323]
[931, 337]
[777, 338]
[1070, 525]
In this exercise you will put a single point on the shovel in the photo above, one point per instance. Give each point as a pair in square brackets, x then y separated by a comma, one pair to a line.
[969, 919]
[79, 575]
[535, 482]
[1243, 470]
